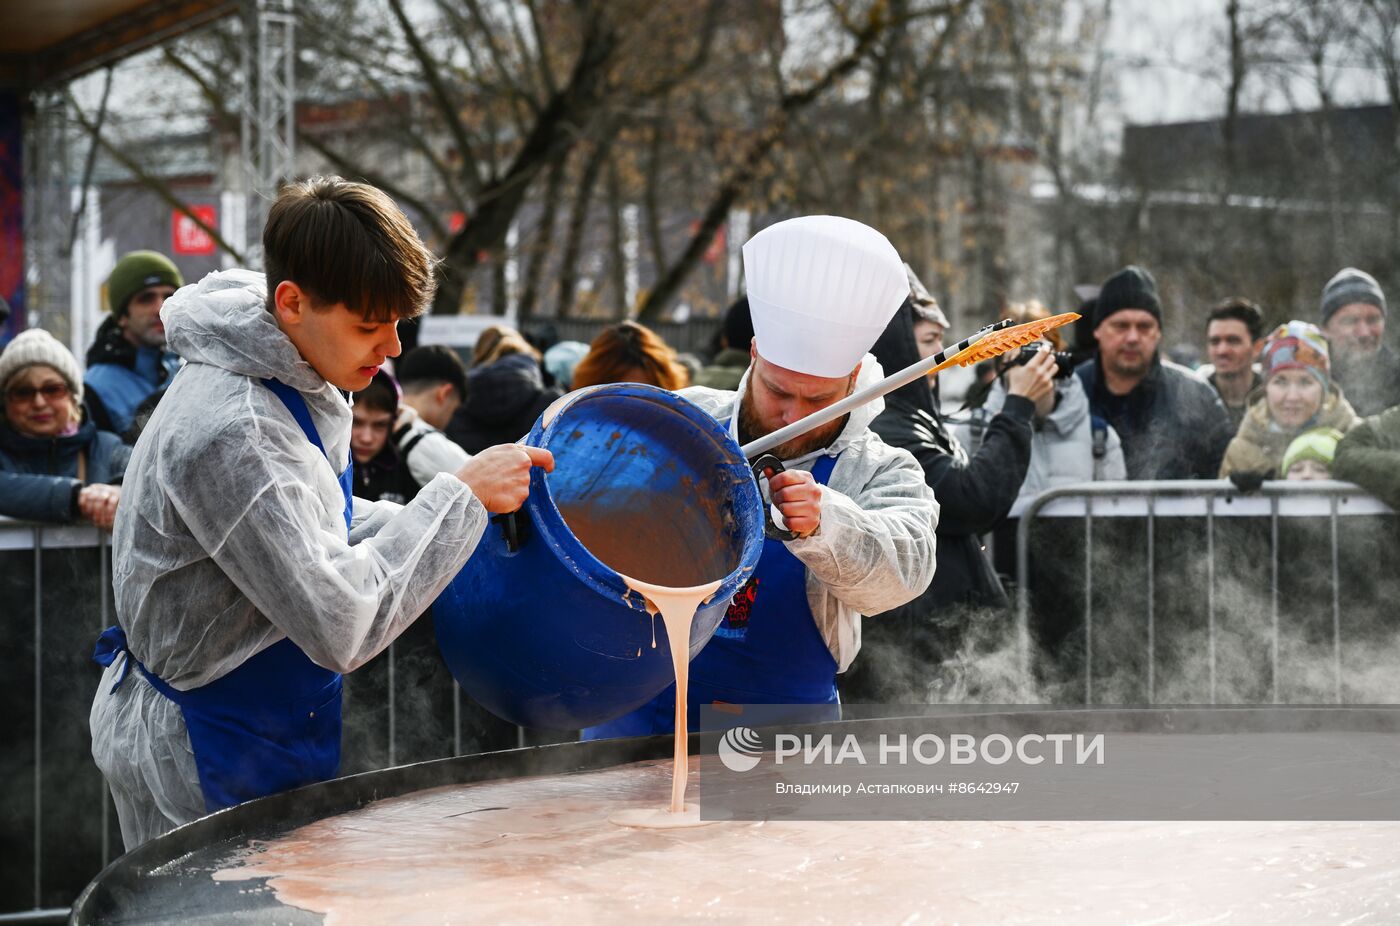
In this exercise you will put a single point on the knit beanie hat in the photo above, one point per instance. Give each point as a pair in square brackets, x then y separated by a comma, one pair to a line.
[36, 345]
[1130, 288]
[1347, 287]
[133, 273]
[1298, 346]
[1318, 444]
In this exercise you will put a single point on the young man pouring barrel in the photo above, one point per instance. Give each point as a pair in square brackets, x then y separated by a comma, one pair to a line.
[245, 577]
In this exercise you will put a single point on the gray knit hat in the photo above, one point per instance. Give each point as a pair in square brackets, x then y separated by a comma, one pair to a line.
[38, 346]
[1347, 287]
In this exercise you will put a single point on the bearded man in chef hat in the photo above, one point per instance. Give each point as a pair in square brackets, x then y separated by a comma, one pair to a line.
[855, 515]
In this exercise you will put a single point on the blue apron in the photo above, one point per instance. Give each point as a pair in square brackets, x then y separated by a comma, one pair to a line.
[271, 724]
[767, 650]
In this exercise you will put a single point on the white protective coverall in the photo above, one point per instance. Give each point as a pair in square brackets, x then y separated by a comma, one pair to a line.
[231, 535]
[875, 548]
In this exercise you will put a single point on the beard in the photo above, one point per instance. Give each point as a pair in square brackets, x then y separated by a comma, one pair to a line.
[751, 429]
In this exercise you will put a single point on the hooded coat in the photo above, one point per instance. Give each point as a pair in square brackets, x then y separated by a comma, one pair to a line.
[230, 536]
[39, 475]
[974, 492]
[875, 548]
[905, 647]
[1260, 445]
[502, 402]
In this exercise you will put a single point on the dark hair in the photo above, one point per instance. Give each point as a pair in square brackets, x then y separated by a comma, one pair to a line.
[1241, 310]
[427, 366]
[626, 347]
[382, 394]
[345, 242]
[738, 325]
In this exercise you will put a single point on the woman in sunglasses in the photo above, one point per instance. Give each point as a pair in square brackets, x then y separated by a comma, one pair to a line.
[54, 465]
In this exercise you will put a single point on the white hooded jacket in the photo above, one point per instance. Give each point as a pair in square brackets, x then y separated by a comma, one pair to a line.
[231, 535]
[875, 548]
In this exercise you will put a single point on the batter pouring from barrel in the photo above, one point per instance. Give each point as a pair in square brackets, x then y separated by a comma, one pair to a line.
[854, 521]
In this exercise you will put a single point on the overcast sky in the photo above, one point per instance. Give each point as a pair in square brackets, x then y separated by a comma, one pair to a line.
[1167, 48]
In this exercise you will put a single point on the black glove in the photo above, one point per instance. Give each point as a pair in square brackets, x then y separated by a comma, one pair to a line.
[1248, 482]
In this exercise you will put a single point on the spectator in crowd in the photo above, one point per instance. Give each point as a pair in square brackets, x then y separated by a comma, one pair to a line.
[1369, 455]
[128, 360]
[1171, 423]
[380, 474]
[500, 341]
[504, 397]
[434, 382]
[560, 361]
[974, 492]
[1310, 455]
[54, 465]
[630, 353]
[1234, 336]
[1353, 318]
[1298, 396]
[1068, 445]
[729, 364]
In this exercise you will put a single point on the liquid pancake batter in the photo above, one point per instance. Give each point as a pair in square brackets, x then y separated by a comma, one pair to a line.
[677, 607]
[541, 850]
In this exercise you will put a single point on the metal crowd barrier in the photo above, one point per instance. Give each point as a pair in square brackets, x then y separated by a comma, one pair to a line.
[16, 538]
[1208, 499]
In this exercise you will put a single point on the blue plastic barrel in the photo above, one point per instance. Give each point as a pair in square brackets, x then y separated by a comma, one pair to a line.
[645, 483]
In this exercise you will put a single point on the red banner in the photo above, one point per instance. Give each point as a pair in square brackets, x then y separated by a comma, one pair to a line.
[189, 238]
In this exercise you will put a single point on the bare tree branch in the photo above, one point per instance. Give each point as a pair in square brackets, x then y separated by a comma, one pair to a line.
[91, 161]
[433, 78]
[737, 181]
[149, 180]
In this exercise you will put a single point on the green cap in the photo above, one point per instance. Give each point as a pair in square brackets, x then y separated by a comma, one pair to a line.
[1318, 444]
[133, 273]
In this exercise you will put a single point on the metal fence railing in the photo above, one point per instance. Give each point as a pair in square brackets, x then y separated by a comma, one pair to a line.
[41, 618]
[1207, 503]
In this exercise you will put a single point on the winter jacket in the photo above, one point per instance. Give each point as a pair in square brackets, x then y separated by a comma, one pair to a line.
[119, 376]
[1172, 424]
[502, 402]
[974, 493]
[230, 536]
[1369, 455]
[1066, 446]
[726, 370]
[875, 549]
[1260, 444]
[1372, 384]
[39, 475]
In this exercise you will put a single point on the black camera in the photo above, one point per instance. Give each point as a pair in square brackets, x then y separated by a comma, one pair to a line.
[1064, 361]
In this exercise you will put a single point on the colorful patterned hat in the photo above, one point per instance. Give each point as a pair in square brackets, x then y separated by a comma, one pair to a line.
[1298, 345]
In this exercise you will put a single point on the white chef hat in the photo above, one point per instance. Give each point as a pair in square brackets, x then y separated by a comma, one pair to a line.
[821, 290]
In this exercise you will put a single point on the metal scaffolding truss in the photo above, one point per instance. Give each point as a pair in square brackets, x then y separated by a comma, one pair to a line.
[47, 213]
[269, 111]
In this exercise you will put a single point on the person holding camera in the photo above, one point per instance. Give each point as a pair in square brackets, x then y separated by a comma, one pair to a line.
[1068, 444]
[907, 653]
